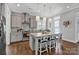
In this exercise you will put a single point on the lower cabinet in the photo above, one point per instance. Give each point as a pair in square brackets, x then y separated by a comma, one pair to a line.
[16, 36]
[31, 42]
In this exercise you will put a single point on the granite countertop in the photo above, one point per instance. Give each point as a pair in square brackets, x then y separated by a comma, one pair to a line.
[41, 34]
[37, 31]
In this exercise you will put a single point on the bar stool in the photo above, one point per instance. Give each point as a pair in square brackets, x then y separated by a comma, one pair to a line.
[51, 42]
[59, 44]
[60, 40]
[59, 37]
[43, 46]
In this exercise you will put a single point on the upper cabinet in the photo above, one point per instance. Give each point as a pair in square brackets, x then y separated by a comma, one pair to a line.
[16, 20]
[23, 20]
[13, 21]
[19, 21]
[33, 22]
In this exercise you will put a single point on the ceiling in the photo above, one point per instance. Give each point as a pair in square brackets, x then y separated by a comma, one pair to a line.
[42, 9]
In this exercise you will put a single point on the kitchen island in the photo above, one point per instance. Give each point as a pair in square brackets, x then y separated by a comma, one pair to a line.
[34, 41]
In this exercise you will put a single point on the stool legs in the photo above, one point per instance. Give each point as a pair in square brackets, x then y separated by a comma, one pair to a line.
[52, 45]
[40, 49]
[46, 47]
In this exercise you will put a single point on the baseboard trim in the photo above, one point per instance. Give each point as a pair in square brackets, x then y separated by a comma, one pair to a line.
[18, 41]
[69, 40]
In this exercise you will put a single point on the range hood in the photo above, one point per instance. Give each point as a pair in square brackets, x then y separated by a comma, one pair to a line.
[25, 22]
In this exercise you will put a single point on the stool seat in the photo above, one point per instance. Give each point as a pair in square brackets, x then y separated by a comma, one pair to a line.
[51, 39]
[43, 41]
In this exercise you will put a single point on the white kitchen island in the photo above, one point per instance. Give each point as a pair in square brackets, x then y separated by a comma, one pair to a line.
[34, 41]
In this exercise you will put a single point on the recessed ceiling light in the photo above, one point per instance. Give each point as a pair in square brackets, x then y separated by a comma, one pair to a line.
[38, 11]
[44, 5]
[68, 7]
[18, 5]
[77, 12]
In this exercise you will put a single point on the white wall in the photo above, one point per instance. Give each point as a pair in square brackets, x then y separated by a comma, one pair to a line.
[69, 33]
[77, 28]
[7, 15]
[0, 14]
[0, 8]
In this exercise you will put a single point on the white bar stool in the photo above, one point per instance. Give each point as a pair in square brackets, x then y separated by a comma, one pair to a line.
[52, 42]
[43, 44]
[59, 44]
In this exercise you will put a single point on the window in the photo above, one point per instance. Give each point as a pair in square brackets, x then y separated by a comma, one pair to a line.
[49, 23]
[38, 22]
[44, 23]
[56, 25]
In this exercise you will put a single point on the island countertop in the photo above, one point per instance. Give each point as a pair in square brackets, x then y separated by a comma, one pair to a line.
[33, 37]
[40, 34]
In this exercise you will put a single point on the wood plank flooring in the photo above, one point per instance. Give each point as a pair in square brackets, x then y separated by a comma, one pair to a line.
[22, 48]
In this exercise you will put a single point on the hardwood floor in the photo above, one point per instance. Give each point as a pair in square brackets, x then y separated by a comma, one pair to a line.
[22, 48]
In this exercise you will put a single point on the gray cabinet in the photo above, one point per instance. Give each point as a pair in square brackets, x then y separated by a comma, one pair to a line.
[16, 21]
[33, 22]
[16, 36]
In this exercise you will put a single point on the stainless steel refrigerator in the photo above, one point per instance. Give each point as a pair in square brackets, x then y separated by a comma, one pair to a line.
[2, 35]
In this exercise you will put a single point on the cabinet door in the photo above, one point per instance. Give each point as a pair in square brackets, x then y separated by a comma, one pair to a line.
[33, 22]
[19, 21]
[16, 36]
[14, 21]
[13, 37]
